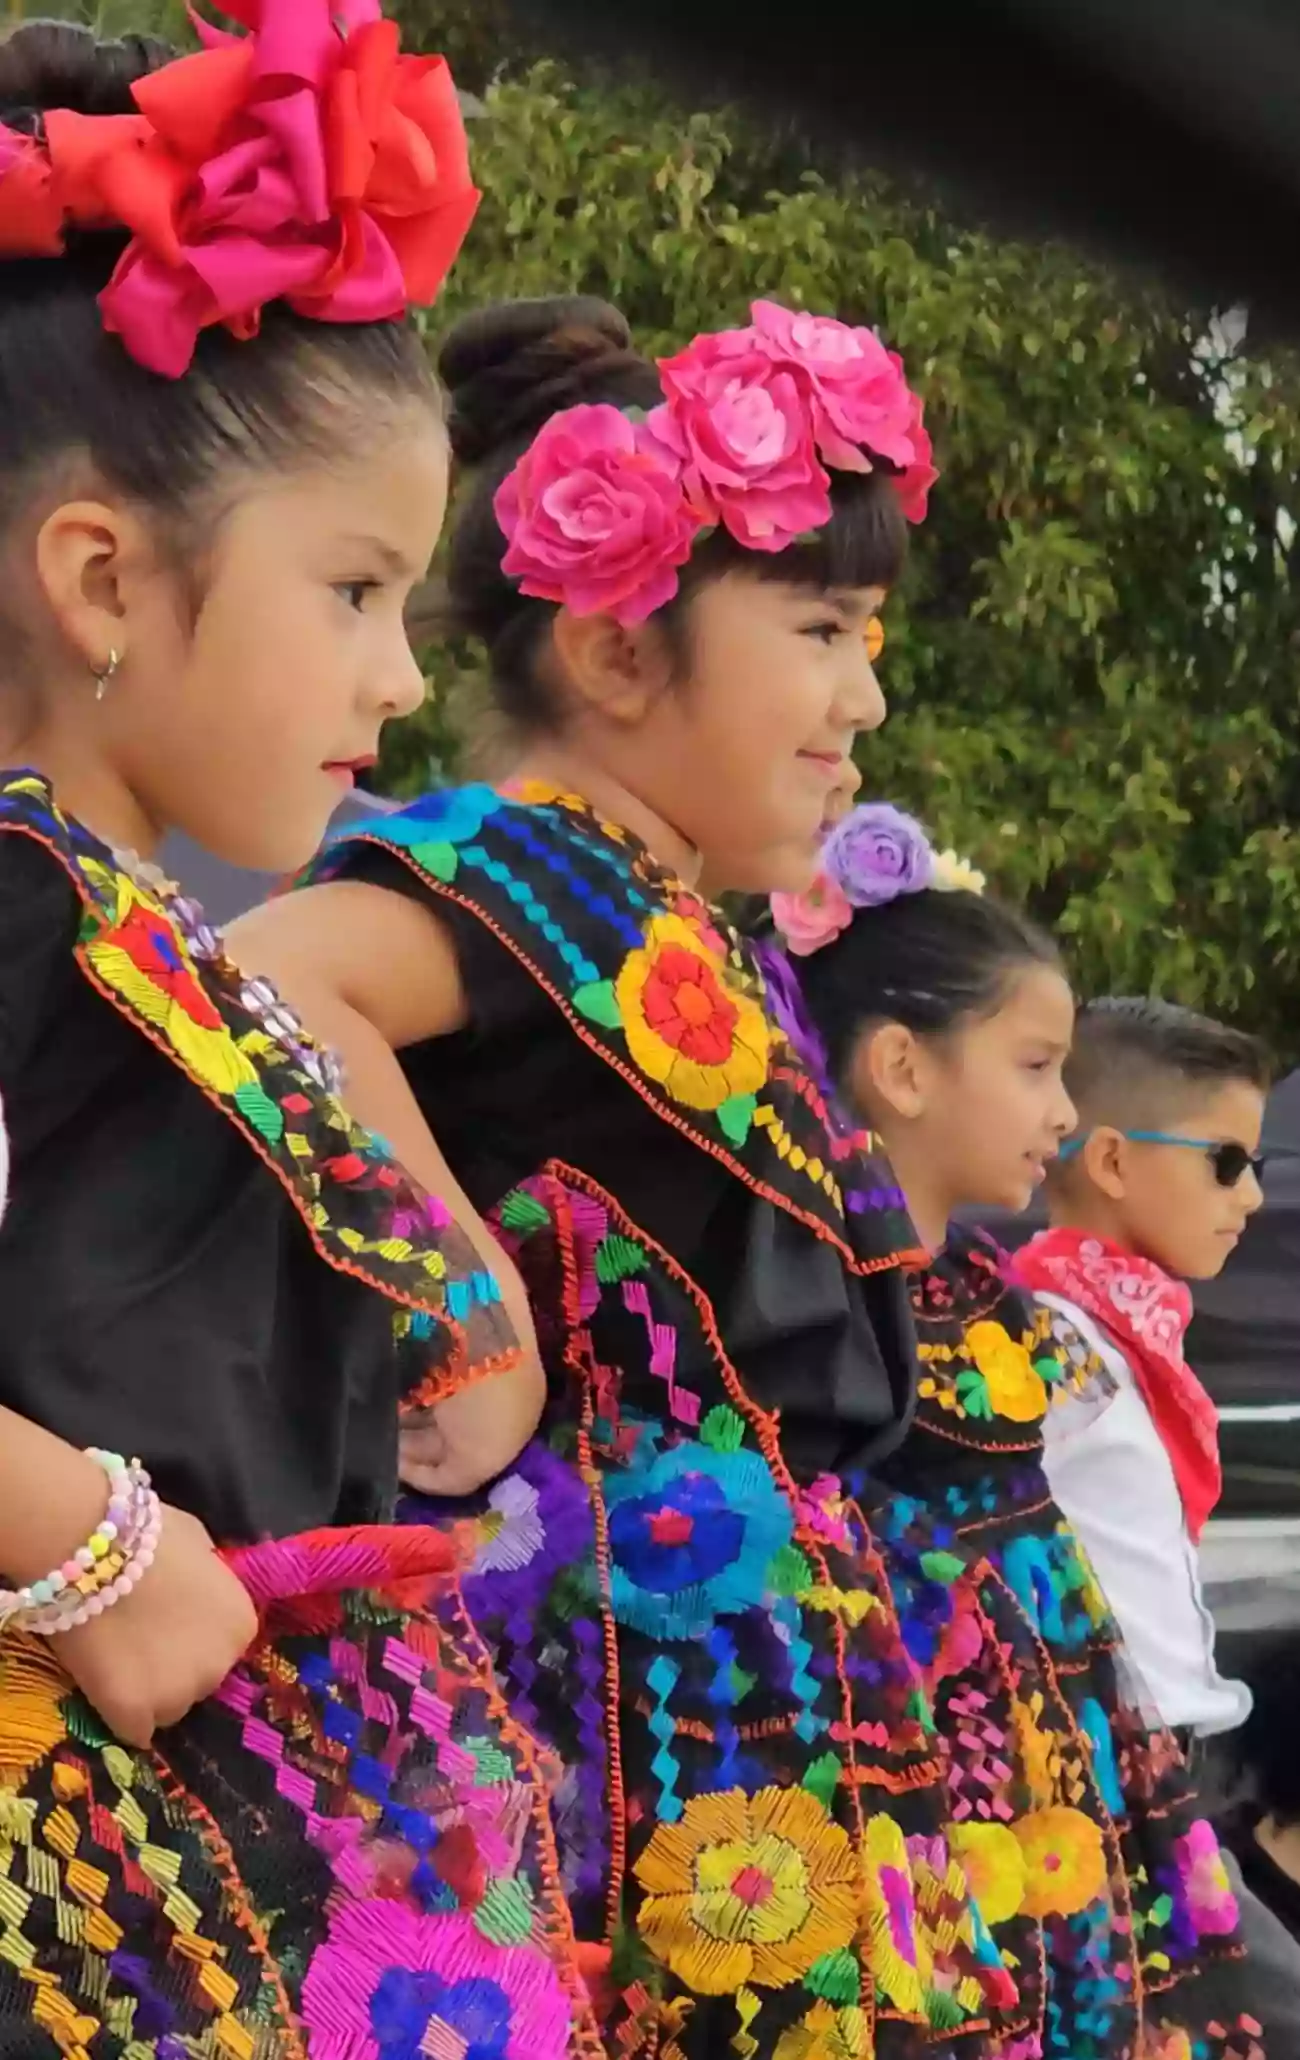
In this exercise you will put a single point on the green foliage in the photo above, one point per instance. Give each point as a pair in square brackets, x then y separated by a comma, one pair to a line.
[1092, 662]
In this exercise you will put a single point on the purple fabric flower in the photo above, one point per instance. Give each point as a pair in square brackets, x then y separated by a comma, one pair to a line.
[878, 853]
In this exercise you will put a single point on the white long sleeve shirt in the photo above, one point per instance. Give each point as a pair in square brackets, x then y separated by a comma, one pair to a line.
[1115, 1483]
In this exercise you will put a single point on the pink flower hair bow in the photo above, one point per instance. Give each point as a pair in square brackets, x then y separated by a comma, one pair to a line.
[307, 161]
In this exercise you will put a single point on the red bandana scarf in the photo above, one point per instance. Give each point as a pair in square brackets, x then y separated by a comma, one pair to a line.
[1146, 1313]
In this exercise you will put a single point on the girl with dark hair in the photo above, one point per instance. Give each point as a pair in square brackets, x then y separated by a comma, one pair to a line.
[222, 470]
[678, 572]
[944, 1020]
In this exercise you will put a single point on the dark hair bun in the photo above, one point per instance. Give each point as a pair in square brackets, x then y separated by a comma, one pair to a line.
[49, 64]
[509, 368]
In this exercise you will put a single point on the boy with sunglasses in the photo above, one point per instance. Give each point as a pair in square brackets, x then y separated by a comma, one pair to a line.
[1154, 1189]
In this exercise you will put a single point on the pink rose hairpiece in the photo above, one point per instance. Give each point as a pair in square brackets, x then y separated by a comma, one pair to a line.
[873, 856]
[307, 161]
[606, 505]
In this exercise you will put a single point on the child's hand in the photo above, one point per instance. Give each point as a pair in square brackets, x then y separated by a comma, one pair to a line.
[171, 1642]
[473, 1436]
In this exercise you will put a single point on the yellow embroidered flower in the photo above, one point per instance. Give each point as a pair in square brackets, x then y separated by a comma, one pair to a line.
[994, 1865]
[747, 1889]
[1065, 1861]
[1016, 1389]
[953, 875]
[1170, 2045]
[826, 2034]
[685, 1025]
[899, 1959]
[1038, 1751]
[32, 1688]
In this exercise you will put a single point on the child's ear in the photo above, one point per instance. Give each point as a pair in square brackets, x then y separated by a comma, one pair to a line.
[611, 671]
[888, 1073]
[1104, 1159]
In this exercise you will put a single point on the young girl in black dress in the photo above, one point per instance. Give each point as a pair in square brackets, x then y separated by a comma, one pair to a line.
[222, 470]
[943, 1017]
[781, 1708]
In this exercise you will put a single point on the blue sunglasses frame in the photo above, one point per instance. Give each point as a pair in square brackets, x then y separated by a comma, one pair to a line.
[1217, 1152]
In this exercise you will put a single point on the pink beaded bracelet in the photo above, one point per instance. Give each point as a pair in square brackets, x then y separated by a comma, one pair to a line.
[107, 1567]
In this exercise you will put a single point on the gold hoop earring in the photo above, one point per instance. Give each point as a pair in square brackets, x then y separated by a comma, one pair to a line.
[106, 674]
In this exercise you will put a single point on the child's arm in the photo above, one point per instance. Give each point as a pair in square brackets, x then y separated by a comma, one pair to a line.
[173, 1640]
[370, 971]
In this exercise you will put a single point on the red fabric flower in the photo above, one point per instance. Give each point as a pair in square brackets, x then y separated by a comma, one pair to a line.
[308, 161]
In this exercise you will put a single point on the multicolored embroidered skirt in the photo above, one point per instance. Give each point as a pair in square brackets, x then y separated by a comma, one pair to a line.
[786, 1847]
[348, 1854]
[1139, 1940]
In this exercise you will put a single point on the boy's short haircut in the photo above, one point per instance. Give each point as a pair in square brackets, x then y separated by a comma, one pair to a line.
[1142, 1064]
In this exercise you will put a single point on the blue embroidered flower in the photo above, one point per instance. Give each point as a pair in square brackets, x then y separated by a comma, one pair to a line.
[473, 2016]
[692, 1535]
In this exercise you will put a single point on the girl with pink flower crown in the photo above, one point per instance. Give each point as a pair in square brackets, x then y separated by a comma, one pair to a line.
[223, 464]
[677, 571]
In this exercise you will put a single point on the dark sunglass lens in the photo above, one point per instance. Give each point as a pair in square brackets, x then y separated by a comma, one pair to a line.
[1230, 1162]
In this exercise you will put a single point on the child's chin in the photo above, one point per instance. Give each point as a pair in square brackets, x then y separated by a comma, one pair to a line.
[1016, 1196]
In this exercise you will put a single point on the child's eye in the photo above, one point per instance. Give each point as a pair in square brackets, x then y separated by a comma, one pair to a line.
[826, 631]
[874, 635]
[354, 591]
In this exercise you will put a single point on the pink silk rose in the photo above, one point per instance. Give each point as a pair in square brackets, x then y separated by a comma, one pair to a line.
[740, 424]
[914, 482]
[807, 921]
[595, 516]
[861, 402]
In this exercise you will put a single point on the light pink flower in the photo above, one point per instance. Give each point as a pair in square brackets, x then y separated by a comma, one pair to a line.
[863, 404]
[807, 921]
[596, 517]
[741, 424]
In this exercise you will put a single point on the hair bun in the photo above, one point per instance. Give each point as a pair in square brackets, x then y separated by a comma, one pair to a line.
[49, 64]
[509, 368]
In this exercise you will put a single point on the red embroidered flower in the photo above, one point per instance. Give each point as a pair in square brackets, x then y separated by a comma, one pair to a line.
[684, 1005]
[152, 947]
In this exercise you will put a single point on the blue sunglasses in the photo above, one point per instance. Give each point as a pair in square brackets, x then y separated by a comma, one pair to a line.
[1228, 1162]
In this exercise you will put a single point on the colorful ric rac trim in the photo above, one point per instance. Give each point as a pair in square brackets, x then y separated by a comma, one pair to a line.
[149, 952]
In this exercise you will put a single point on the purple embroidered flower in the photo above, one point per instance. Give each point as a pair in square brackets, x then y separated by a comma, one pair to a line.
[878, 853]
[537, 1521]
[529, 1525]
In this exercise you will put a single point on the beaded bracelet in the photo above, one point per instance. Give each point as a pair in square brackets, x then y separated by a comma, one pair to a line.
[119, 1551]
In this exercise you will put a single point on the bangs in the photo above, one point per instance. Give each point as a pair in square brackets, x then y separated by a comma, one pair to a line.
[863, 545]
